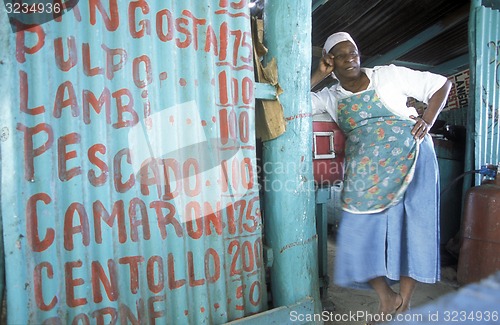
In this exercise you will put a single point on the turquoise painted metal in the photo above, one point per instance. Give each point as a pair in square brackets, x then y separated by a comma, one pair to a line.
[298, 313]
[485, 76]
[323, 196]
[288, 186]
[129, 189]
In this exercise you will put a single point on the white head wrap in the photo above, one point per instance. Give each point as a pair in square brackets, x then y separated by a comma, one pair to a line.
[333, 40]
[336, 38]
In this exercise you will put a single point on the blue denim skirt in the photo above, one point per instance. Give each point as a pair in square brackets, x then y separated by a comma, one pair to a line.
[400, 241]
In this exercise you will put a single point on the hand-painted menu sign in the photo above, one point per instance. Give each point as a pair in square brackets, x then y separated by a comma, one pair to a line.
[137, 193]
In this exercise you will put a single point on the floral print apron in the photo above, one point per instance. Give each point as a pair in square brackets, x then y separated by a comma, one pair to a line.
[380, 154]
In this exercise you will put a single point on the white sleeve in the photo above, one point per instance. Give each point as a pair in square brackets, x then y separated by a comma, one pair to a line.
[324, 101]
[420, 85]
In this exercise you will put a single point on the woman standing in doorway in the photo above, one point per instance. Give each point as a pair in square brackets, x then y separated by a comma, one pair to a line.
[389, 229]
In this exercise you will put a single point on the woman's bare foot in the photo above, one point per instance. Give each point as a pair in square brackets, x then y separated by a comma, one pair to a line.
[405, 306]
[390, 306]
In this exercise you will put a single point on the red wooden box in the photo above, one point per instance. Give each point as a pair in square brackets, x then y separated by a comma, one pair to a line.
[328, 151]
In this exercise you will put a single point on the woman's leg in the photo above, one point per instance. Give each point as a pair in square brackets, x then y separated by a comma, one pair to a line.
[389, 300]
[406, 288]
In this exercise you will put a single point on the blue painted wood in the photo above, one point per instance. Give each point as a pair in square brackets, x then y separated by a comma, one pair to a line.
[288, 189]
[265, 91]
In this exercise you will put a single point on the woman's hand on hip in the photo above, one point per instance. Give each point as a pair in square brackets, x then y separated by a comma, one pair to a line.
[421, 127]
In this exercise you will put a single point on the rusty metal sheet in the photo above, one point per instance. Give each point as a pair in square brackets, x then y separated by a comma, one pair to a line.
[129, 189]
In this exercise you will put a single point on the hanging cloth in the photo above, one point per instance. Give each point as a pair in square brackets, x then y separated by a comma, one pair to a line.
[380, 154]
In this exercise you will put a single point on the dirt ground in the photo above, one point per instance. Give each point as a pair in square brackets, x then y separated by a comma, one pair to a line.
[343, 306]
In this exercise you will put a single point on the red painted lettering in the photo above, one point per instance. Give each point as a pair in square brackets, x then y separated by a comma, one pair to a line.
[22, 48]
[171, 168]
[235, 180]
[82, 227]
[196, 23]
[223, 168]
[149, 174]
[133, 262]
[155, 262]
[67, 6]
[99, 163]
[62, 64]
[235, 270]
[247, 91]
[127, 315]
[246, 42]
[125, 108]
[38, 288]
[60, 102]
[29, 151]
[86, 62]
[237, 41]
[153, 314]
[160, 28]
[141, 83]
[111, 66]
[78, 319]
[89, 99]
[224, 39]
[239, 295]
[247, 257]
[71, 283]
[231, 221]
[247, 177]
[144, 24]
[192, 281]
[111, 21]
[255, 293]
[168, 219]
[121, 187]
[100, 314]
[211, 41]
[193, 212]
[191, 164]
[239, 5]
[179, 25]
[24, 96]
[212, 258]
[173, 283]
[35, 243]
[136, 223]
[212, 218]
[234, 127]
[63, 156]
[109, 283]
[257, 248]
[255, 220]
[101, 214]
[223, 96]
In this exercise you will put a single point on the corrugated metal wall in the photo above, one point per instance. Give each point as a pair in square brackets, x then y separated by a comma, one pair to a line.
[486, 51]
[129, 188]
